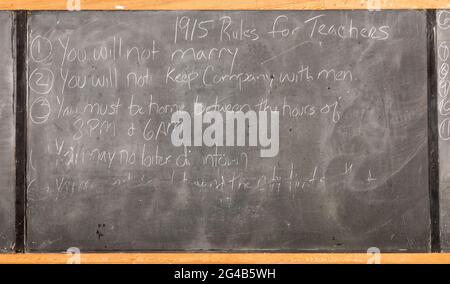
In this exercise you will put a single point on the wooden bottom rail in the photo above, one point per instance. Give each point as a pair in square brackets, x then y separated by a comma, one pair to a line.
[224, 258]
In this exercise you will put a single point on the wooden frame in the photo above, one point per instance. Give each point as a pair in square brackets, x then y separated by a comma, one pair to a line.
[225, 258]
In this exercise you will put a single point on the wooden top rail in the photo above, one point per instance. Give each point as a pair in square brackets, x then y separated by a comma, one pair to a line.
[223, 5]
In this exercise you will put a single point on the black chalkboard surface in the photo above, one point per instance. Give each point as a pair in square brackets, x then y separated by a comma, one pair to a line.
[344, 167]
[7, 134]
[443, 84]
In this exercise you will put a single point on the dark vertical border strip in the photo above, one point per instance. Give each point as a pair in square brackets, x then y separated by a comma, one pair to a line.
[433, 137]
[21, 128]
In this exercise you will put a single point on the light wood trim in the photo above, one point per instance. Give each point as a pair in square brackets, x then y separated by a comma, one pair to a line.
[227, 258]
[224, 4]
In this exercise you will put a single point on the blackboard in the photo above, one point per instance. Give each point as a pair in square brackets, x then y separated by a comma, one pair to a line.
[443, 84]
[7, 134]
[348, 171]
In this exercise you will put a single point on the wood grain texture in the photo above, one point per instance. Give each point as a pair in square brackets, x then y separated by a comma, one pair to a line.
[224, 5]
[224, 258]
